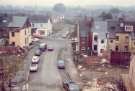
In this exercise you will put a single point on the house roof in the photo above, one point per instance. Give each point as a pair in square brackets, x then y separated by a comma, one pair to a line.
[39, 19]
[4, 20]
[18, 21]
[113, 26]
[100, 27]
[115, 23]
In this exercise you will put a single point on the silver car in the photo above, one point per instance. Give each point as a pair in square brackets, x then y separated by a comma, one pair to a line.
[69, 85]
[61, 64]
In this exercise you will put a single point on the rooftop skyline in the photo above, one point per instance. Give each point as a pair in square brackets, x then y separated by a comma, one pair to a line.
[67, 2]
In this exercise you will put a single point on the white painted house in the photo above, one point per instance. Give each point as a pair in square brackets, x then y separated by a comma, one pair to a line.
[99, 40]
[42, 26]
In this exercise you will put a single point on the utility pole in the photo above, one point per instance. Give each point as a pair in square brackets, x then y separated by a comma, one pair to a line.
[10, 84]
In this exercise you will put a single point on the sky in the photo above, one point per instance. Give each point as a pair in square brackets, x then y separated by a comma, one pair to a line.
[67, 2]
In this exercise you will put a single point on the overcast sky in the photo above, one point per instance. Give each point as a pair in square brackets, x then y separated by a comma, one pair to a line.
[68, 2]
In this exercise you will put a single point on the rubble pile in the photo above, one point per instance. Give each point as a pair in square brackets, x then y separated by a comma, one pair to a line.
[104, 84]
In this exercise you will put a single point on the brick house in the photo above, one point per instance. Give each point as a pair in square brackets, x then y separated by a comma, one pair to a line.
[84, 35]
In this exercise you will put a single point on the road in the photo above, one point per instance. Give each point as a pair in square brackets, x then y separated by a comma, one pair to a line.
[48, 77]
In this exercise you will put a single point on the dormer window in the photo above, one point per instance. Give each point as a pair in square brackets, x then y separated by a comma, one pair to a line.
[128, 28]
[112, 27]
[95, 38]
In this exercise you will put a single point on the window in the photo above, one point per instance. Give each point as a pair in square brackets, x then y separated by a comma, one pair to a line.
[95, 38]
[25, 32]
[117, 38]
[111, 41]
[83, 49]
[25, 41]
[110, 49]
[121, 24]
[116, 48]
[13, 43]
[95, 47]
[101, 50]
[13, 34]
[42, 32]
[112, 27]
[126, 37]
[33, 25]
[126, 48]
[41, 25]
[128, 28]
[102, 41]
[83, 42]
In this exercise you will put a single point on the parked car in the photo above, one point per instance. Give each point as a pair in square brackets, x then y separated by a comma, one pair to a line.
[50, 48]
[35, 59]
[35, 39]
[69, 85]
[33, 67]
[43, 46]
[19, 77]
[38, 52]
[61, 64]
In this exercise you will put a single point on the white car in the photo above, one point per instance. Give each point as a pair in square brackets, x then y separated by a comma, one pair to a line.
[33, 67]
[35, 39]
[35, 59]
[61, 64]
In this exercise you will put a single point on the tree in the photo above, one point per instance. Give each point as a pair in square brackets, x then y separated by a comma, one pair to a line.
[59, 8]
[105, 16]
[115, 11]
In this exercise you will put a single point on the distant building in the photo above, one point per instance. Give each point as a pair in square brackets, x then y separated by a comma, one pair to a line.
[57, 18]
[42, 26]
[19, 31]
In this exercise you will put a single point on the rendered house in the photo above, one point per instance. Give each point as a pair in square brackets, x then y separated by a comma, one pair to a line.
[41, 25]
[15, 30]
[19, 31]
